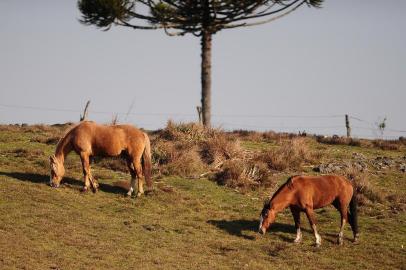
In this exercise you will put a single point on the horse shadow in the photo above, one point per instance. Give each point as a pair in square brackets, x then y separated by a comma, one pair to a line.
[239, 228]
[67, 181]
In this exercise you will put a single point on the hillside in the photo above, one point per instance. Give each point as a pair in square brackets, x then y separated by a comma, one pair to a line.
[203, 213]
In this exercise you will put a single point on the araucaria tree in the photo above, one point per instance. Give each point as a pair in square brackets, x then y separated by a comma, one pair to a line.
[201, 18]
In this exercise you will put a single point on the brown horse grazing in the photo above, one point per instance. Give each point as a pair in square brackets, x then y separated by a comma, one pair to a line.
[89, 139]
[305, 193]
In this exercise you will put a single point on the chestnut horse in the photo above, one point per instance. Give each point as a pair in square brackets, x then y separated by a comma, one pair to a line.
[306, 193]
[89, 139]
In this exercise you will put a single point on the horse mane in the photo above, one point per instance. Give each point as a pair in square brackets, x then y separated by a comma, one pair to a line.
[288, 184]
[65, 134]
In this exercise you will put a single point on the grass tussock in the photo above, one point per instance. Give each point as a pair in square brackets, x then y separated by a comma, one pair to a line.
[367, 193]
[337, 140]
[387, 145]
[176, 158]
[291, 154]
[244, 175]
[190, 150]
[218, 148]
[186, 132]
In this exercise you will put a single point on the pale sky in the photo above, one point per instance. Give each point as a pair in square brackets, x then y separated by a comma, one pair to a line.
[302, 72]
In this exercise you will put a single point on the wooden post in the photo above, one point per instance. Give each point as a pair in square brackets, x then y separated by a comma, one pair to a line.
[347, 125]
[199, 113]
[114, 120]
[84, 116]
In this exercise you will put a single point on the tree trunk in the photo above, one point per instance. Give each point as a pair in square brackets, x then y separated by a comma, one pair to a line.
[206, 77]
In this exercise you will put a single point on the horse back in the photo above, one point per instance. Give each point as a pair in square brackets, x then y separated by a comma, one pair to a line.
[320, 191]
[104, 140]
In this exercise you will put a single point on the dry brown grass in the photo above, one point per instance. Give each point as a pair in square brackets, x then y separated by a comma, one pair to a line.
[190, 150]
[176, 158]
[244, 175]
[218, 148]
[292, 154]
[387, 145]
[367, 193]
[337, 140]
[190, 132]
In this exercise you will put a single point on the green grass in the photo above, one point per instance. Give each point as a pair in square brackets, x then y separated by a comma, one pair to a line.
[183, 224]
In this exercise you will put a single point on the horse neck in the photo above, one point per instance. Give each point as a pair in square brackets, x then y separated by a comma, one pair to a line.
[63, 148]
[282, 199]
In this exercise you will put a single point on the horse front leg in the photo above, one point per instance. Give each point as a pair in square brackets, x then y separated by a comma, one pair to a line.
[84, 157]
[312, 220]
[296, 217]
[133, 176]
[88, 178]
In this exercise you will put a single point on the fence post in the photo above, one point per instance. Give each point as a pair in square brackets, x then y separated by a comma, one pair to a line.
[347, 125]
[84, 116]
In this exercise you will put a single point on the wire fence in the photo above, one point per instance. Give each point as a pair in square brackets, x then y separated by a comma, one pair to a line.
[360, 127]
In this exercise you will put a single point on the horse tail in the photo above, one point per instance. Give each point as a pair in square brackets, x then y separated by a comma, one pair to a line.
[146, 162]
[353, 215]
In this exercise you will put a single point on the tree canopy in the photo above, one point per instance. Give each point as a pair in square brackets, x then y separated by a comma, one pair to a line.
[186, 16]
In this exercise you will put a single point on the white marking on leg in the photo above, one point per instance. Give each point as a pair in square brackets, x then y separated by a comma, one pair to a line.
[341, 233]
[340, 238]
[298, 236]
[130, 191]
[261, 219]
[317, 235]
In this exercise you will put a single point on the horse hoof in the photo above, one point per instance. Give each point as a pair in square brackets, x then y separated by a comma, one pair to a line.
[95, 190]
[139, 194]
[84, 189]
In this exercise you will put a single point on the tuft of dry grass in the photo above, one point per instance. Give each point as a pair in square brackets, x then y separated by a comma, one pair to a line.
[244, 175]
[387, 145]
[219, 148]
[177, 158]
[366, 192]
[337, 140]
[191, 132]
[292, 154]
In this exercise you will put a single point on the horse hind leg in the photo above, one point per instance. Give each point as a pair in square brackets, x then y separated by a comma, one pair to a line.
[138, 171]
[344, 218]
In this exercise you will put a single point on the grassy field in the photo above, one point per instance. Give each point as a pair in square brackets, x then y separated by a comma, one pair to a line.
[183, 223]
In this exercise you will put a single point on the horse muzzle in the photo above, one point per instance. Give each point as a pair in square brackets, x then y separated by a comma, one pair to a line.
[52, 184]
